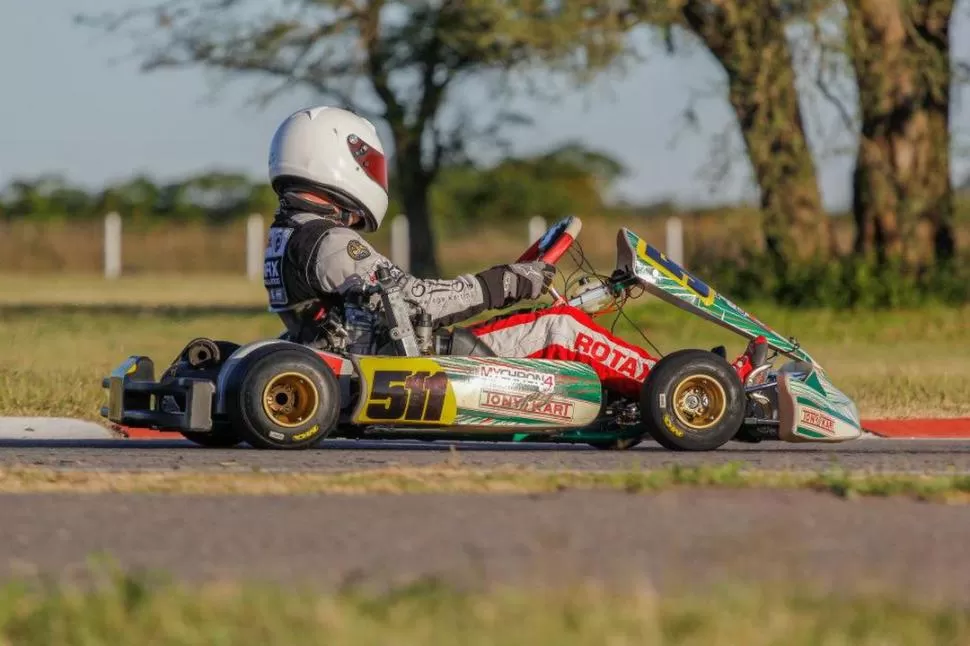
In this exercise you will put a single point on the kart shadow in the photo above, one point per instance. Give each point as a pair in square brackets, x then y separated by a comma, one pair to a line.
[443, 446]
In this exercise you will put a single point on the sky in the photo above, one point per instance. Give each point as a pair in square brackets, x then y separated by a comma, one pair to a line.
[74, 102]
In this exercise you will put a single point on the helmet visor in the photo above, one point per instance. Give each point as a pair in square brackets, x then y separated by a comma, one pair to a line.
[370, 159]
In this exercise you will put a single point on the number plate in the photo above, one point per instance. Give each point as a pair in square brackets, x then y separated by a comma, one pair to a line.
[405, 391]
[476, 392]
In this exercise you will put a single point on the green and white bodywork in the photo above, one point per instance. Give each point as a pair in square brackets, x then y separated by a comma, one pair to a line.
[476, 394]
[808, 407]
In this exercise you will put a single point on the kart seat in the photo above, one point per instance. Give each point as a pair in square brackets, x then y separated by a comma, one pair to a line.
[460, 342]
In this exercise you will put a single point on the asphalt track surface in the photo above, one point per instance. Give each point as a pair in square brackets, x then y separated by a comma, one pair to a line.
[668, 540]
[877, 455]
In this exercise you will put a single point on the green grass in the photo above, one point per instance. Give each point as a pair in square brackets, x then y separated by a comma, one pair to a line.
[895, 364]
[159, 289]
[451, 478]
[146, 609]
[53, 362]
[913, 363]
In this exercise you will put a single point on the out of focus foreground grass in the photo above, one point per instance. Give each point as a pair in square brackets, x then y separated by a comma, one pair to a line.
[137, 610]
[62, 334]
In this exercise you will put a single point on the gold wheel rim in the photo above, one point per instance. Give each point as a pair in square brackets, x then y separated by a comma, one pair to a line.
[290, 399]
[699, 402]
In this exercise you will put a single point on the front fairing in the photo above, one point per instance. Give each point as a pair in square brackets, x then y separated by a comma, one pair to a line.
[812, 409]
[670, 282]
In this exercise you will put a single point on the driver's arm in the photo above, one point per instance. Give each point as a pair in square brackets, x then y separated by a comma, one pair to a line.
[346, 262]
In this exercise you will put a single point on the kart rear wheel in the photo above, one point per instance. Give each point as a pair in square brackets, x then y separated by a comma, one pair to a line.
[692, 400]
[283, 399]
[201, 359]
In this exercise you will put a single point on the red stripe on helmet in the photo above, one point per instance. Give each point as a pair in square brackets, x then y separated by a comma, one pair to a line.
[370, 159]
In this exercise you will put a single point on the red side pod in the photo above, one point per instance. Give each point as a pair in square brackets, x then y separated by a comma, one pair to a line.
[335, 362]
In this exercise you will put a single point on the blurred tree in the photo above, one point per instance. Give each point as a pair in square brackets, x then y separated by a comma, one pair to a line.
[903, 196]
[748, 40]
[220, 196]
[410, 55]
[898, 52]
[569, 179]
[566, 179]
[261, 199]
[45, 197]
[135, 199]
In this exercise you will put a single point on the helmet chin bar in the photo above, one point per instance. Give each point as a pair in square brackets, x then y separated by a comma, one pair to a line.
[341, 201]
[360, 224]
[348, 206]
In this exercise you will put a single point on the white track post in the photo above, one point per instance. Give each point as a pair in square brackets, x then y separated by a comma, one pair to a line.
[112, 246]
[675, 240]
[537, 226]
[254, 246]
[401, 243]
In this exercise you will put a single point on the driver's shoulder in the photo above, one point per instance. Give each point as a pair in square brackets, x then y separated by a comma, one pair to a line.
[346, 241]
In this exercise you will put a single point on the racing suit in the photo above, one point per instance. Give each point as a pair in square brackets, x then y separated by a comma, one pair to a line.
[314, 264]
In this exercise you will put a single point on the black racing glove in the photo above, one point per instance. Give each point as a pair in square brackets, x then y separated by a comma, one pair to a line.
[507, 284]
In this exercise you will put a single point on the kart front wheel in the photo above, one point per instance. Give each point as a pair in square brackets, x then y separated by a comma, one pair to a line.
[283, 399]
[692, 400]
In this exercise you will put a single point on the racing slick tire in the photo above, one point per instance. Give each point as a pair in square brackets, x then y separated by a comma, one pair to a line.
[284, 399]
[692, 400]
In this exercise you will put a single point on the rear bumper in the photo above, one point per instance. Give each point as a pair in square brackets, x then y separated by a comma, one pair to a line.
[136, 400]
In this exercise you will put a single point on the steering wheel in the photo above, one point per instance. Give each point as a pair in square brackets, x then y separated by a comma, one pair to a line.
[552, 244]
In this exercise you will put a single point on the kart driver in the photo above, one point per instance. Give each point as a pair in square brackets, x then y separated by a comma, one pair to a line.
[327, 166]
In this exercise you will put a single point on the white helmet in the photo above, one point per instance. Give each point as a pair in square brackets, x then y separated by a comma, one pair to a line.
[334, 150]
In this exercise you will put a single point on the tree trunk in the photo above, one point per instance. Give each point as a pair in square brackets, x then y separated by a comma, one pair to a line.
[748, 39]
[414, 184]
[903, 196]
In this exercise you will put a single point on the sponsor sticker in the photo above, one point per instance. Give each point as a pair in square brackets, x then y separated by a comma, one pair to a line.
[273, 255]
[620, 359]
[357, 250]
[313, 430]
[817, 420]
[548, 407]
[515, 378]
[671, 427]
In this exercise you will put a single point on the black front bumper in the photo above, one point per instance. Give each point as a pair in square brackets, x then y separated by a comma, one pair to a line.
[136, 400]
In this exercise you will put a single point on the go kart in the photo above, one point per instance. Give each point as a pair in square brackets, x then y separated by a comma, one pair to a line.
[446, 384]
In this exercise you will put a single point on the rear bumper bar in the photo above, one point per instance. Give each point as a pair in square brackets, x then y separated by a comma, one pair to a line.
[135, 399]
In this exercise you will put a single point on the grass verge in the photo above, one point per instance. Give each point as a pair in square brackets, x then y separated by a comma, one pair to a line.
[130, 609]
[894, 364]
[136, 290]
[953, 488]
